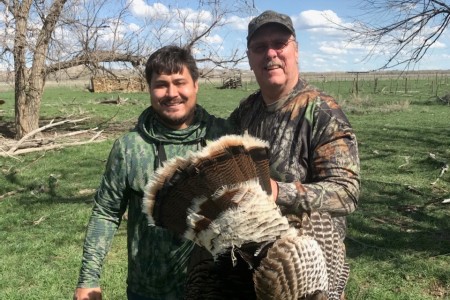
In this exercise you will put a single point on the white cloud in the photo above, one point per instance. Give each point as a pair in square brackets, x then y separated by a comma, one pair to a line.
[309, 19]
[238, 23]
[339, 47]
[438, 45]
[155, 11]
[214, 39]
[4, 17]
[191, 15]
[319, 60]
[168, 33]
[133, 27]
[195, 51]
[326, 31]
[170, 23]
[332, 50]
[158, 11]
[320, 23]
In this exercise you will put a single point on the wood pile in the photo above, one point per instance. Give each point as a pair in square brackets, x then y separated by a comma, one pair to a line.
[118, 84]
[232, 82]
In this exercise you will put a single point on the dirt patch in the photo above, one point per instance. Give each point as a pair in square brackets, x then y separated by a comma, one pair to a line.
[7, 130]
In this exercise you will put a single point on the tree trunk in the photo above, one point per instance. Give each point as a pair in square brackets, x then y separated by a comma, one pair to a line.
[30, 87]
[28, 109]
[21, 110]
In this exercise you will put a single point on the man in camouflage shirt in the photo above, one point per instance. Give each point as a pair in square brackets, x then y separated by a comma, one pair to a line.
[313, 151]
[173, 125]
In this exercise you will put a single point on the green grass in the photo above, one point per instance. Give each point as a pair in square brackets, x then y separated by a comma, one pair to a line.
[398, 240]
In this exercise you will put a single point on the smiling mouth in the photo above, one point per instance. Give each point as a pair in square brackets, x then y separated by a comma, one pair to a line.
[172, 103]
[272, 66]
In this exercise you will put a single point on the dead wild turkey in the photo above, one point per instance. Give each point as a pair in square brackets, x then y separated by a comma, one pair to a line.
[220, 199]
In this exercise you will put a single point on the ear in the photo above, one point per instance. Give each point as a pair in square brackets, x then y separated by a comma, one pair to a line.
[196, 86]
[248, 59]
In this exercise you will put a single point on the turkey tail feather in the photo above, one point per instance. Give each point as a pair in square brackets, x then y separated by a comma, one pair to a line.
[220, 198]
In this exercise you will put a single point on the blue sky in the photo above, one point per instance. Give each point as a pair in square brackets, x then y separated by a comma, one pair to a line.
[322, 47]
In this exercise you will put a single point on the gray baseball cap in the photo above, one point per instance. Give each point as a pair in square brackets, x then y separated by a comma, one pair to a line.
[269, 16]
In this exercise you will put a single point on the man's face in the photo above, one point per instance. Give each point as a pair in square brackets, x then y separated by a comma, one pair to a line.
[273, 57]
[173, 97]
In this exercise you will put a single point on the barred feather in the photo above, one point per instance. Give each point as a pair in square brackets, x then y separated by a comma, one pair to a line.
[230, 160]
[220, 199]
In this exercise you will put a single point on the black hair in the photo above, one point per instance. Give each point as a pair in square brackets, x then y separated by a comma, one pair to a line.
[170, 60]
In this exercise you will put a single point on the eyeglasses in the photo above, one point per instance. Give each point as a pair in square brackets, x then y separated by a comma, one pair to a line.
[277, 45]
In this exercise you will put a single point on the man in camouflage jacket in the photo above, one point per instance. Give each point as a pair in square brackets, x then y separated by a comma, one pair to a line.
[313, 150]
[172, 126]
[314, 160]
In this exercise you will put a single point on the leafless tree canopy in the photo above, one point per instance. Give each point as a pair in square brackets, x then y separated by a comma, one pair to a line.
[403, 30]
[41, 37]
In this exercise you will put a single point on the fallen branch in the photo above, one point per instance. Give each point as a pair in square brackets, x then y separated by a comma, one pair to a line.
[35, 143]
[96, 136]
[75, 133]
[6, 154]
[58, 146]
[37, 222]
[444, 169]
[40, 129]
[406, 163]
[11, 193]
[45, 141]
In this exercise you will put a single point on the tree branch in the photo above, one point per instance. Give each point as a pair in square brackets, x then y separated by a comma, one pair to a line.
[95, 57]
[13, 149]
[410, 34]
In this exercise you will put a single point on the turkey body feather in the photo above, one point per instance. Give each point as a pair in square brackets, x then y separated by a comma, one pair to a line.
[220, 198]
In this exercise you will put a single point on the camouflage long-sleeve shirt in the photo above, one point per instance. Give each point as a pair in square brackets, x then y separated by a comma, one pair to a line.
[313, 150]
[157, 259]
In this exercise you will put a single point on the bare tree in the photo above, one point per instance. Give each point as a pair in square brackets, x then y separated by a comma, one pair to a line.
[48, 36]
[404, 30]
[36, 52]
[29, 83]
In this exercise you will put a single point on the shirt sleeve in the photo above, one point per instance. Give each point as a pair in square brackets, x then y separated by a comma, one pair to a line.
[109, 205]
[334, 183]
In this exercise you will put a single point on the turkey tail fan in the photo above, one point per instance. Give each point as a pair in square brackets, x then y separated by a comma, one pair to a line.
[333, 249]
[247, 215]
[302, 266]
[294, 267]
[231, 160]
[220, 198]
[341, 282]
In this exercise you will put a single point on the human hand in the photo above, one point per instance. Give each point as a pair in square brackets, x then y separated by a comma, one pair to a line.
[88, 294]
[274, 186]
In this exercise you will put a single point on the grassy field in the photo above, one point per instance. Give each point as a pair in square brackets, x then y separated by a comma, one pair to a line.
[398, 240]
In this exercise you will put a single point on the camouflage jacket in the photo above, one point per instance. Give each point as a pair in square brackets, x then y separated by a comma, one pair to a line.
[157, 259]
[314, 153]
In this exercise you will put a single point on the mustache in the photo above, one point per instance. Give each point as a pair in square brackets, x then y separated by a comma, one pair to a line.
[274, 64]
[171, 101]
